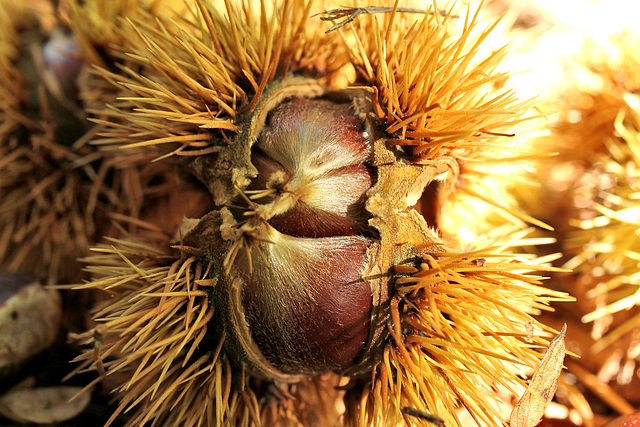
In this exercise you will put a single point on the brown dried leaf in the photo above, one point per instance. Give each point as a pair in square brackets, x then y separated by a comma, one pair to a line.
[43, 405]
[530, 408]
[29, 318]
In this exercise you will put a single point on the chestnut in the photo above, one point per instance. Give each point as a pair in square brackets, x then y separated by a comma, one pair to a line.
[294, 245]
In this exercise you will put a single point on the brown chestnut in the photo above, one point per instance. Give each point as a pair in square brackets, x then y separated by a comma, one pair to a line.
[295, 244]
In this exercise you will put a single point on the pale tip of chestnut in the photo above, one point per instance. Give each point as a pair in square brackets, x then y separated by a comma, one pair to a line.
[63, 59]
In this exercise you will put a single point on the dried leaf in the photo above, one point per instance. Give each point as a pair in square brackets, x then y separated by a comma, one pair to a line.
[531, 406]
[29, 318]
[44, 405]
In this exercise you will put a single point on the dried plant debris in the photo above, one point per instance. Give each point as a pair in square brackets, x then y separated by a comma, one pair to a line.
[351, 13]
[29, 319]
[531, 407]
[43, 405]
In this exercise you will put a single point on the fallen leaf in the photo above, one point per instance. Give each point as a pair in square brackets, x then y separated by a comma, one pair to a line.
[29, 318]
[44, 405]
[530, 408]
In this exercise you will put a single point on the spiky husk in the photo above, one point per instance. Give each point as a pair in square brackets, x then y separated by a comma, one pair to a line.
[57, 192]
[441, 102]
[590, 200]
[190, 79]
[459, 327]
[444, 108]
[99, 25]
[603, 238]
[41, 225]
[458, 320]
[606, 246]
